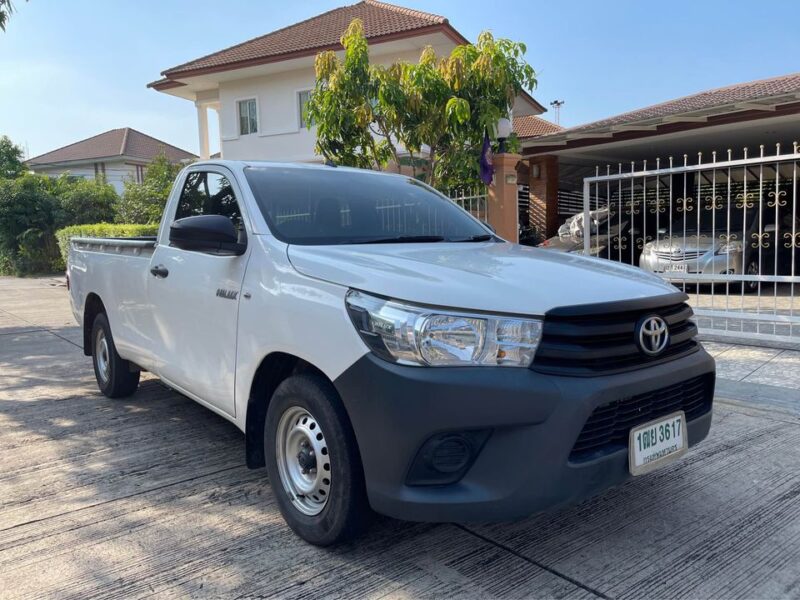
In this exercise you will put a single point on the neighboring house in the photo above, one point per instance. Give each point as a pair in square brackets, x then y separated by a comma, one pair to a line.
[258, 88]
[756, 115]
[115, 156]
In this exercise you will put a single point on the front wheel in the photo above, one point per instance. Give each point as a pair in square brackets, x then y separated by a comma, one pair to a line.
[115, 376]
[313, 462]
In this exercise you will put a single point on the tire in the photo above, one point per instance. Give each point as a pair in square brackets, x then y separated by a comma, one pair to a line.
[751, 287]
[115, 376]
[321, 494]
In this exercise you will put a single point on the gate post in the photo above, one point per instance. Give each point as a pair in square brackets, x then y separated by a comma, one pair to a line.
[502, 209]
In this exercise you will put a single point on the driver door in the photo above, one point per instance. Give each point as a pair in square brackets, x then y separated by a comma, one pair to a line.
[195, 296]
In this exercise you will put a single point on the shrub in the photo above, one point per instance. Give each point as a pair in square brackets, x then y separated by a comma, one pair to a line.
[144, 202]
[101, 230]
[83, 200]
[27, 222]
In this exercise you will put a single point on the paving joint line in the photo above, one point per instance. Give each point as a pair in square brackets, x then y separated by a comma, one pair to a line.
[536, 563]
[39, 327]
[125, 497]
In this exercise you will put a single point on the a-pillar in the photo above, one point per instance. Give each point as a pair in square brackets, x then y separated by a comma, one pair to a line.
[503, 210]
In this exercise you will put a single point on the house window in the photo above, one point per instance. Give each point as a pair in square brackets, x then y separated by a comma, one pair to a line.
[100, 171]
[302, 101]
[139, 173]
[248, 118]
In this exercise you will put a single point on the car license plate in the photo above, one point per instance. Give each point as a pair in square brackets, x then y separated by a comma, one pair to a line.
[677, 268]
[657, 443]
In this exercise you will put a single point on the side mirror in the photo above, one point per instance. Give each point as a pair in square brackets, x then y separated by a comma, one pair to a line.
[213, 234]
[769, 228]
[489, 227]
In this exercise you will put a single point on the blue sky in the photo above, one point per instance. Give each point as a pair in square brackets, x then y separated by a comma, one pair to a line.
[71, 69]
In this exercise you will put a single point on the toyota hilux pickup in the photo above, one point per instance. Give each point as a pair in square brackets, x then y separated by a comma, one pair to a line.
[383, 350]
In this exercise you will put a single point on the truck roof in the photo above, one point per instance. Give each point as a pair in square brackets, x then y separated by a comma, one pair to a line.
[241, 164]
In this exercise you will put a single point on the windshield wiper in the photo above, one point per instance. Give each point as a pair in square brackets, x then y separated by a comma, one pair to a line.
[400, 239]
[481, 237]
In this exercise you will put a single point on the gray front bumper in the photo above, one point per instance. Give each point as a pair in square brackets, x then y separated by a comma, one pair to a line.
[534, 418]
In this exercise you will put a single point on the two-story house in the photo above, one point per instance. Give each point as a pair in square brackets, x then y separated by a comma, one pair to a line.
[257, 88]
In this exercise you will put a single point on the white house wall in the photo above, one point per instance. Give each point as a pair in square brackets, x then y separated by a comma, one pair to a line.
[279, 136]
[116, 172]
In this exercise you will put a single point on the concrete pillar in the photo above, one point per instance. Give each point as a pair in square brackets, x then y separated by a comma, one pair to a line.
[503, 212]
[202, 129]
[219, 129]
[543, 182]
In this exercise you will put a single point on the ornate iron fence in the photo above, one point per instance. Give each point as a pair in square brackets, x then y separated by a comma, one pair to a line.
[725, 231]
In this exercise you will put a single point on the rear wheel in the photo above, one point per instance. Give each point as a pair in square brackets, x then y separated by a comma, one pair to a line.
[116, 377]
[751, 287]
[313, 462]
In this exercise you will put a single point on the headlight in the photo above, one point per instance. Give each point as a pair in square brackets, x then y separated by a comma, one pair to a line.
[730, 248]
[414, 335]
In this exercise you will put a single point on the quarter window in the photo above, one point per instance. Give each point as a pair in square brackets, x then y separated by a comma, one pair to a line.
[248, 117]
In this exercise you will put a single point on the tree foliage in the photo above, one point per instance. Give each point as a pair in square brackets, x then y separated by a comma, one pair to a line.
[369, 115]
[11, 157]
[6, 8]
[144, 202]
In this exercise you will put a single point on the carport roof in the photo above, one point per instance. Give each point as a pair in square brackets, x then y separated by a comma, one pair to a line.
[753, 97]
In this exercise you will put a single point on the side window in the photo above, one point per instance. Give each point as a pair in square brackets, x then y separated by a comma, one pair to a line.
[207, 193]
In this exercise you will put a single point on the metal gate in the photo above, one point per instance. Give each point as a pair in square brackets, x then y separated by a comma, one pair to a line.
[727, 232]
[473, 200]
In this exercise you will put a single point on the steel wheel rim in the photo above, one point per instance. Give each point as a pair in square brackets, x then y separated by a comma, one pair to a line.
[303, 460]
[102, 355]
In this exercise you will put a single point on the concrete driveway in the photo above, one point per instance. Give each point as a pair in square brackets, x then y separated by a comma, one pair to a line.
[150, 496]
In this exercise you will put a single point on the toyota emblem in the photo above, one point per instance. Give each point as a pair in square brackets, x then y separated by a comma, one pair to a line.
[652, 335]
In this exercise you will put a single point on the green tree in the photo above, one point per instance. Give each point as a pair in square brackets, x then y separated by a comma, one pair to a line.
[82, 200]
[6, 8]
[144, 202]
[440, 107]
[27, 224]
[10, 157]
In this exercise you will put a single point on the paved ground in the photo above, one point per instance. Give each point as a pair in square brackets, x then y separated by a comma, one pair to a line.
[149, 496]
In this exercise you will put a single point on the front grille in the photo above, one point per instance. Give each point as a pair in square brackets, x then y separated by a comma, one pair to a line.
[685, 255]
[598, 339]
[609, 425]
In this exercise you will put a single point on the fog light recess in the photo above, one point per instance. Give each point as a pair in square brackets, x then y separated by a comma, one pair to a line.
[445, 457]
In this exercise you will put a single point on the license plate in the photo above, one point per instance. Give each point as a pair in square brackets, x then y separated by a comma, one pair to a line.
[678, 268]
[657, 443]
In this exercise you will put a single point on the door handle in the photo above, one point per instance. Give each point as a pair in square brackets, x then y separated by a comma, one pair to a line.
[159, 271]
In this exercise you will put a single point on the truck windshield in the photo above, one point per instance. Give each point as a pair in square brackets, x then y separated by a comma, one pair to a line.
[337, 206]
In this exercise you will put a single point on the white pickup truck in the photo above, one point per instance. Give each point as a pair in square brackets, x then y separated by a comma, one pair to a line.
[383, 350]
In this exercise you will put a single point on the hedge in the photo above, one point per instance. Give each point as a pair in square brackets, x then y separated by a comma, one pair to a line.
[101, 230]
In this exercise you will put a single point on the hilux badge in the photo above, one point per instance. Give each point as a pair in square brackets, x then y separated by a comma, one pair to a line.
[227, 294]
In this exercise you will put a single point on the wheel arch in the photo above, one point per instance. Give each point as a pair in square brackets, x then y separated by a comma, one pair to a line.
[92, 307]
[273, 369]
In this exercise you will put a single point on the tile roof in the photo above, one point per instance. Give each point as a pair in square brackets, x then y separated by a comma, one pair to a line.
[533, 126]
[117, 142]
[322, 31]
[750, 91]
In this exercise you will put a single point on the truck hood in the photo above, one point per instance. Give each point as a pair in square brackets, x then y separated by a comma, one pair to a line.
[497, 277]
